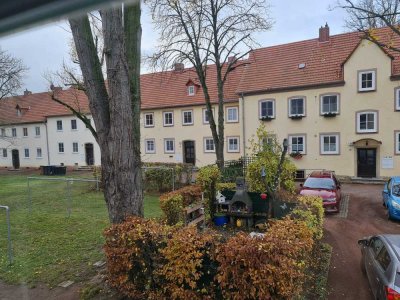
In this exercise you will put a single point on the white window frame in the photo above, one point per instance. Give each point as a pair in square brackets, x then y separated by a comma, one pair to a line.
[61, 122]
[5, 152]
[183, 117]
[322, 104]
[191, 90]
[228, 147]
[38, 149]
[397, 98]
[397, 142]
[290, 106]
[145, 119]
[25, 132]
[146, 149]
[26, 151]
[234, 108]
[304, 143]
[260, 116]
[76, 124]
[77, 147]
[204, 115]
[172, 114]
[14, 132]
[337, 143]
[37, 130]
[165, 145]
[367, 89]
[358, 117]
[205, 145]
[63, 147]
[3, 132]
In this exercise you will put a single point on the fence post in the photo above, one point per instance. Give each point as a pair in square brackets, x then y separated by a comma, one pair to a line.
[29, 196]
[69, 197]
[9, 248]
[97, 182]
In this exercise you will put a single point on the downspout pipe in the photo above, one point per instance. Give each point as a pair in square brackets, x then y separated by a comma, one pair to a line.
[47, 144]
[243, 126]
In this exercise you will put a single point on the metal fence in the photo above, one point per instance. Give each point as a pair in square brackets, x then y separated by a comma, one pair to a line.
[236, 168]
[8, 234]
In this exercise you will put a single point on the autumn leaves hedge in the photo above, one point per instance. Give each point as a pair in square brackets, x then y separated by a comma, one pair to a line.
[149, 260]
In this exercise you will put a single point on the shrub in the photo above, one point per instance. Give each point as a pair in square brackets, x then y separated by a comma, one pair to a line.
[268, 267]
[223, 186]
[313, 205]
[158, 178]
[208, 178]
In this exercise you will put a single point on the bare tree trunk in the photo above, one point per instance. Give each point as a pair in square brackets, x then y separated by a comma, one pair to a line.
[113, 111]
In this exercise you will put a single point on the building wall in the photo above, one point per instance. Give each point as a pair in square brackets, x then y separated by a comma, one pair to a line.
[68, 136]
[31, 142]
[180, 133]
[382, 100]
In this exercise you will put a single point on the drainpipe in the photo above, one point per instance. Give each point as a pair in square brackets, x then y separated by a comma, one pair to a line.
[243, 127]
[47, 144]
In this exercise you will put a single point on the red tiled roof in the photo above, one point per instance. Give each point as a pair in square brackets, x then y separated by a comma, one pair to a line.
[277, 67]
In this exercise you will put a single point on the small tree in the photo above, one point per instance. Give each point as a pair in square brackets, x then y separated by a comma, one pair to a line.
[11, 72]
[205, 32]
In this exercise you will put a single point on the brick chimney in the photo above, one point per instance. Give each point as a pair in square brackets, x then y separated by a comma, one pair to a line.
[231, 59]
[26, 92]
[324, 34]
[179, 67]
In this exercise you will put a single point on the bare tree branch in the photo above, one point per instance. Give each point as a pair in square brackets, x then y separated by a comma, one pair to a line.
[11, 72]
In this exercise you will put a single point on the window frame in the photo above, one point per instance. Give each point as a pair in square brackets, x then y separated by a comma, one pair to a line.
[77, 147]
[321, 103]
[359, 80]
[290, 106]
[145, 119]
[321, 143]
[191, 116]
[37, 129]
[191, 90]
[74, 121]
[236, 108]
[146, 150]
[397, 99]
[397, 142]
[26, 151]
[172, 114]
[165, 146]
[3, 132]
[204, 115]
[228, 138]
[14, 132]
[205, 139]
[58, 127]
[59, 148]
[37, 152]
[304, 136]
[24, 132]
[5, 152]
[260, 116]
[376, 121]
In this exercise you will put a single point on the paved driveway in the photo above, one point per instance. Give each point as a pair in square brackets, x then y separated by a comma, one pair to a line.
[366, 216]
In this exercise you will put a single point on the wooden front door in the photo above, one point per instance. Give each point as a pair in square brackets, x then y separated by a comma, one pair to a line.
[89, 152]
[15, 158]
[189, 152]
[366, 162]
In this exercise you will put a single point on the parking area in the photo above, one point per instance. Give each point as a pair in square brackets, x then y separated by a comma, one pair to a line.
[365, 216]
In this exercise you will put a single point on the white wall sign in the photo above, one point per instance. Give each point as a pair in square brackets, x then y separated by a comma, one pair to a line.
[387, 162]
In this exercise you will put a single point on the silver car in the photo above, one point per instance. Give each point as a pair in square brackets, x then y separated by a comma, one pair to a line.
[381, 263]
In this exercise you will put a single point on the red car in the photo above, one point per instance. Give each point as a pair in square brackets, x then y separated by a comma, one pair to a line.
[323, 184]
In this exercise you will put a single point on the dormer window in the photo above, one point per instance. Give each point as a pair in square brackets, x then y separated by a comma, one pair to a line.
[366, 80]
[19, 113]
[191, 90]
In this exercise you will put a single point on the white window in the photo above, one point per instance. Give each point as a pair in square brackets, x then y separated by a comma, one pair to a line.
[4, 152]
[3, 132]
[37, 131]
[14, 132]
[297, 144]
[187, 117]
[397, 98]
[329, 143]
[367, 121]
[206, 119]
[233, 144]
[59, 125]
[296, 107]
[232, 114]
[397, 142]
[366, 80]
[191, 90]
[60, 147]
[266, 109]
[150, 146]
[39, 152]
[169, 145]
[26, 152]
[74, 125]
[329, 104]
[209, 145]
[149, 120]
[75, 147]
[25, 131]
[168, 118]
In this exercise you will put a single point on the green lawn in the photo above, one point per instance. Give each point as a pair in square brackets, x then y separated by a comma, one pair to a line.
[48, 245]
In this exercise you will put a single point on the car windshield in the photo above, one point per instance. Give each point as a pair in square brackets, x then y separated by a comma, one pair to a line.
[319, 183]
[396, 189]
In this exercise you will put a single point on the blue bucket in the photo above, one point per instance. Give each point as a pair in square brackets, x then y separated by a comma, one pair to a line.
[221, 220]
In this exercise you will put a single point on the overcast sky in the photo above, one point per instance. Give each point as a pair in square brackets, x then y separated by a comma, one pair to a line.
[44, 48]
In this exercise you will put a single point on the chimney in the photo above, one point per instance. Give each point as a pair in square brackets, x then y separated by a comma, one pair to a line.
[324, 34]
[179, 67]
[55, 88]
[26, 92]
[231, 59]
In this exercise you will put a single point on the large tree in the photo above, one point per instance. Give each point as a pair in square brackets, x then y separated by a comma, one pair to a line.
[205, 32]
[114, 103]
[11, 72]
[367, 16]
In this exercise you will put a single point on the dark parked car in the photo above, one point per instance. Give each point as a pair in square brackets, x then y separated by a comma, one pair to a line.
[381, 263]
[327, 186]
[391, 197]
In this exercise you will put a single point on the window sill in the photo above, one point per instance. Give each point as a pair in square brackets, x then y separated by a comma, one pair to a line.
[267, 118]
[148, 126]
[166, 125]
[367, 132]
[329, 115]
[367, 90]
[297, 117]
[39, 157]
[187, 124]
[150, 153]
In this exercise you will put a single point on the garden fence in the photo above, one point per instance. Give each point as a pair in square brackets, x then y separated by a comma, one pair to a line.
[7, 232]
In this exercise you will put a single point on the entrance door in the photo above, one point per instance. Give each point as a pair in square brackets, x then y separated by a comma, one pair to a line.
[189, 152]
[15, 158]
[366, 162]
[89, 152]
